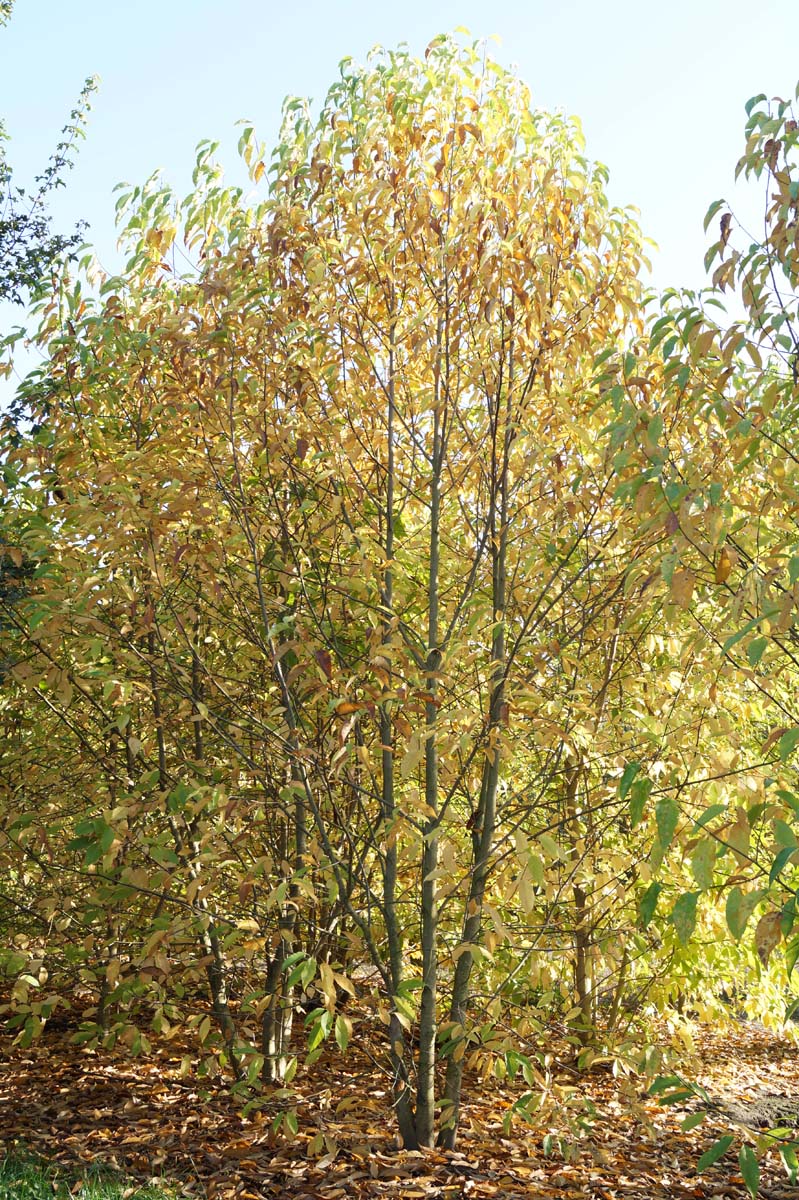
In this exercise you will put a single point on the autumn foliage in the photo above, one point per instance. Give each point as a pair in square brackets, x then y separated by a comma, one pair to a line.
[396, 612]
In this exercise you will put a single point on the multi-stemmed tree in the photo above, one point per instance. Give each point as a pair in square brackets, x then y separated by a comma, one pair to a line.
[359, 628]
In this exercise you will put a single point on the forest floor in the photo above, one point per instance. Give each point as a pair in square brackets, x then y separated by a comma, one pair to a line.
[74, 1106]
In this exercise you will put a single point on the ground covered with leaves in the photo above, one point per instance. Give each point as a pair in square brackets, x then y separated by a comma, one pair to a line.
[150, 1121]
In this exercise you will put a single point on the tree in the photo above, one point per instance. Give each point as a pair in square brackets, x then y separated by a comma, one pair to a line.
[726, 497]
[28, 247]
[345, 610]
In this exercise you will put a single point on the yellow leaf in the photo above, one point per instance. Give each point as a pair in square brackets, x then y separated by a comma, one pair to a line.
[682, 587]
[438, 197]
[768, 935]
[328, 985]
[725, 564]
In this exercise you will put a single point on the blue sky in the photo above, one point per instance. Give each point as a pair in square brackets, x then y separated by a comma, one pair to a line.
[659, 88]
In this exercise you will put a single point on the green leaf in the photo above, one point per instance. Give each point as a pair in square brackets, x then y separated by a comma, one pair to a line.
[710, 254]
[790, 799]
[714, 810]
[702, 863]
[683, 916]
[734, 638]
[649, 902]
[176, 800]
[750, 104]
[37, 615]
[291, 1123]
[739, 908]
[654, 430]
[693, 1119]
[677, 1097]
[667, 814]
[791, 955]
[788, 743]
[628, 775]
[639, 794]
[93, 854]
[668, 346]
[755, 650]
[784, 834]
[15, 962]
[715, 1152]
[711, 212]
[749, 1169]
[790, 1162]
[316, 1035]
[780, 861]
[342, 1032]
[662, 1083]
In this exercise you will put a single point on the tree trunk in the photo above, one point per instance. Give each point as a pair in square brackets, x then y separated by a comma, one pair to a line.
[485, 816]
[425, 1092]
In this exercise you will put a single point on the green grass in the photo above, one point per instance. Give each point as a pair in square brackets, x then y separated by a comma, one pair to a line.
[25, 1177]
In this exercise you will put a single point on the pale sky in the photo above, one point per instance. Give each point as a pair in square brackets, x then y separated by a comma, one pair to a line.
[659, 88]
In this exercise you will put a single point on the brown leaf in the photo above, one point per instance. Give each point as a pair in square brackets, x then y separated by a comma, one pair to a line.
[403, 725]
[726, 223]
[773, 737]
[771, 151]
[768, 934]
[324, 661]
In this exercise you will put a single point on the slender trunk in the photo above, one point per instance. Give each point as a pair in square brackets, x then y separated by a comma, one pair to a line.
[618, 991]
[425, 1093]
[584, 1023]
[583, 929]
[403, 1101]
[470, 936]
[103, 1007]
[278, 1017]
[486, 815]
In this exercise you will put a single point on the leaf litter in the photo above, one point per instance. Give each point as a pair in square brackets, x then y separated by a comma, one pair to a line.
[144, 1117]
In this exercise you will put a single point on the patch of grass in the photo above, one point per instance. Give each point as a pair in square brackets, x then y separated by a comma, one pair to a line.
[25, 1177]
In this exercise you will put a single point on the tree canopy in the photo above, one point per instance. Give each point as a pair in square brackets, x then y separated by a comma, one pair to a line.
[396, 606]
